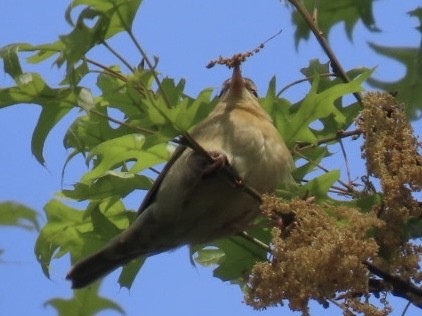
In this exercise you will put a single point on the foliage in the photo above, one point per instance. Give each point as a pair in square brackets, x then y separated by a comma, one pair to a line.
[17, 215]
[156, 111]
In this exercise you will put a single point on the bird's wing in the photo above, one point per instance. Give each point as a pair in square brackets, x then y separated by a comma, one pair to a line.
[150, 196]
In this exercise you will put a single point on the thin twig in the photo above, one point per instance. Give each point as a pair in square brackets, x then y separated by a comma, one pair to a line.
[340, 191]
[406, 308]
[145, 58]
[339, 135]
[135, 128]
[346, 161]
[335, 303]
[400, 287]
[335, 63]
[118, 56]
[107, 69]
[303, 80]
[151, 67]
[254, 240]
[347, 186]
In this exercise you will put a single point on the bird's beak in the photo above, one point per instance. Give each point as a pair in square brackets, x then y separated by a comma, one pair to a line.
[237, 84]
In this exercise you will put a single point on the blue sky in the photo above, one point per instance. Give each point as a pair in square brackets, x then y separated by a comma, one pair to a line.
[186, 35]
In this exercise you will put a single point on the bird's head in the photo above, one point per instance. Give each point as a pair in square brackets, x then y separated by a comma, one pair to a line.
[238, 88]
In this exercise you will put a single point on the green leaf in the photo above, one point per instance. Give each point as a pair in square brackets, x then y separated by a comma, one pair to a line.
[58, 232]
[90, 130]
[417, 13]
[317, 106]
[332, 124]
[364, 202]
[55, 103]
[319, 186]
[332, 12]
[129, 272]
[116, 152]
[240, 257]
[103, 225]
[108, 17]
[16, 214]
[80, 233]
[191, 111]
[44, 51]
[409, 88]
[277, 108]
[12, 66]
[209, 256]
[84, 302]
[123, 95]
[75, 74]
[118, 14]
[314, 156]
[112, 184]
[235, 256]
[414, 227]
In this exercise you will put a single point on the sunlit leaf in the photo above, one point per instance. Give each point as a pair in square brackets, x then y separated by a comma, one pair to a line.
[78, 232]
[84, 302]
[313, 157]
[19, 215]
[408, 88]
[329, 13]
[113, 184]
[317, 106]
[55, 103]
[129, 272]
[115, 152]
[209, 256]
[319, 186]
[12, 66]
[234, 256]
[118, 14]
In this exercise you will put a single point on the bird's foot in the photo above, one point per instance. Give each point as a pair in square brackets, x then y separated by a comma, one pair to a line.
[219, 161]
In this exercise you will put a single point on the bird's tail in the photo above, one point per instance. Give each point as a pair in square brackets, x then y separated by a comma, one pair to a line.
[95, 266]
[140, 239]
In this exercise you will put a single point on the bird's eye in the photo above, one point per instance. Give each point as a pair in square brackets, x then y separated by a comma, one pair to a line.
[222, 92]
[253, 91]
[226, 86]
[250, 85]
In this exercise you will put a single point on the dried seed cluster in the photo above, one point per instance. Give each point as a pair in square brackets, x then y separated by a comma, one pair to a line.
[316, 257]
[319, 255]
[391, 152]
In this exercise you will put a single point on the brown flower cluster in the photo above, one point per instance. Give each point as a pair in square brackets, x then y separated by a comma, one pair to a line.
[391, 152]
[316, 257]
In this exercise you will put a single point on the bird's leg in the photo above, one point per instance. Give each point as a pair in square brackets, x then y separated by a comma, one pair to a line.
[219, 161]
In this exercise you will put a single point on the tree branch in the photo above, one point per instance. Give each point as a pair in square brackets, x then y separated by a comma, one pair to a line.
[396, 285]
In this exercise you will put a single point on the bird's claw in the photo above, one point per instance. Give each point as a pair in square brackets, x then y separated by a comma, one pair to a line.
[219, 161]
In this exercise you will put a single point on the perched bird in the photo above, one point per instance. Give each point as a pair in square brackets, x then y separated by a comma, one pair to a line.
[194, 201]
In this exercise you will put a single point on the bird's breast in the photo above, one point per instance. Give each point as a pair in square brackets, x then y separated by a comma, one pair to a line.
[252, 145]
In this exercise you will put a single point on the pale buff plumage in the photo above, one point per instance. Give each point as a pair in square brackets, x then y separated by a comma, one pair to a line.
[195, 202]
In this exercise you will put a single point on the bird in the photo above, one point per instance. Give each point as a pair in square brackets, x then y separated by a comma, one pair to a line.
[194, 201]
